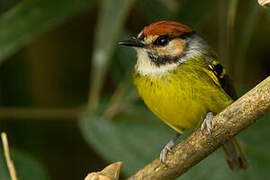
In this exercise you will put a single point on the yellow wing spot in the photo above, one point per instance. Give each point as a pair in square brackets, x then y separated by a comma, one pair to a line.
[223, 73]
[213, 76]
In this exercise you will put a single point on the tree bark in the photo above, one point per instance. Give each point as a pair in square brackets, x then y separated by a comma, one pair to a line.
[191, 150]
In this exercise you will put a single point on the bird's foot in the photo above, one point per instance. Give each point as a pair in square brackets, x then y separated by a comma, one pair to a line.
[165, 150]
[168, 148]
[207, 122]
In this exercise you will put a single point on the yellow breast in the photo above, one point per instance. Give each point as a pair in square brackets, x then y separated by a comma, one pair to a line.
[182, 98]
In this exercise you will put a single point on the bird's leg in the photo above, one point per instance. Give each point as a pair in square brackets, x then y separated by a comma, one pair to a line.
[207, 122]
[168, 147]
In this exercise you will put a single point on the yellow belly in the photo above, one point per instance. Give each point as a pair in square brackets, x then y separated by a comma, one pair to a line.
[181, 98]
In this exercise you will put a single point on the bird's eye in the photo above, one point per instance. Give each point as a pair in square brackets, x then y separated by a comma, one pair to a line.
[162, 40]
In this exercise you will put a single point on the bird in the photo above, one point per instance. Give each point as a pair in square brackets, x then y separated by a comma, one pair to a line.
[179, 78]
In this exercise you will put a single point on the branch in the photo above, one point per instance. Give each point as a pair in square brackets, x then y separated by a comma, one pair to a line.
[11, 167]
[111, 172]
[264, 2]
[39, 113]
[191, 150]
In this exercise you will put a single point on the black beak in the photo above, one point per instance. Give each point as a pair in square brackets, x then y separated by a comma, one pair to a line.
[132, 42]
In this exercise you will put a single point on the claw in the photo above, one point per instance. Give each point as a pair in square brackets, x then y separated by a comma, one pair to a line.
[207, 122]
[168, 148]
[163, 155]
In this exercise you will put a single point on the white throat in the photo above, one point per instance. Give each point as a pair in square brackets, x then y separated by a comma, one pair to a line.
[196, 46]
[146, 66]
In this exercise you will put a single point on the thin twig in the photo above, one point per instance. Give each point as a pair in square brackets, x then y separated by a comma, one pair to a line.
[190, 151]
[39, 113]
[11, 167]
[116, 101]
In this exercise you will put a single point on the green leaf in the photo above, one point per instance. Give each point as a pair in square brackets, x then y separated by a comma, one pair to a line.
[29, 18]
[137, 138]
[27, 167]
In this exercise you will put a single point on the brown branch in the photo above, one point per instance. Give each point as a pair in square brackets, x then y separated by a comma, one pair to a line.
[11, 167]
[39, 113]
[190, 151]
[111, 172]
[264, 2]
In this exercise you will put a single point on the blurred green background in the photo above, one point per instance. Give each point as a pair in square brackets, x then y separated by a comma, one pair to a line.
[67, 101]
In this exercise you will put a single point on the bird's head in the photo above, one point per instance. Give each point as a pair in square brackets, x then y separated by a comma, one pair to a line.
[165, 45]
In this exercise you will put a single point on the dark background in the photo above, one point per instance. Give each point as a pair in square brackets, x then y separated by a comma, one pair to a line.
[67, 101]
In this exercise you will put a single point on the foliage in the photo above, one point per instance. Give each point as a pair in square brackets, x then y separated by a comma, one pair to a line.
[30, 18]
[119, 127]
[137, 142]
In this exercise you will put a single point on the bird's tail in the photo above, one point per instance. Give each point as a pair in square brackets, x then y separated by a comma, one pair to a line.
[235, 157]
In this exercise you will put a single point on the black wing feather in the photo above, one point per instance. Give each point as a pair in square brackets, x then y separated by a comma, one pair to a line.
[223, 78]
